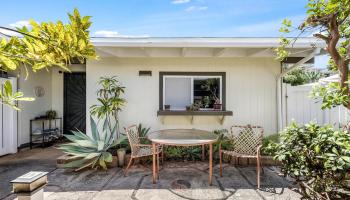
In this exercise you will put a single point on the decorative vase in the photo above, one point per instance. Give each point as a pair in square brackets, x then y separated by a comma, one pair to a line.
[121, 156]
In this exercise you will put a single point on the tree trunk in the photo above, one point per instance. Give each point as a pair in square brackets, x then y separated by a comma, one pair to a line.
[343, 69]
[332, 42]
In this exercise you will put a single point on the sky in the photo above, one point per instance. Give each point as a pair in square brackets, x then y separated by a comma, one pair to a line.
[164, 18]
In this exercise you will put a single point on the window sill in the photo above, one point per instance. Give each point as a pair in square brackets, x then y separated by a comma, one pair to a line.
[199, 112]
[218, 113]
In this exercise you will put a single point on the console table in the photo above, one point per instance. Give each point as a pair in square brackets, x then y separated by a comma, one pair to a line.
[50, 131]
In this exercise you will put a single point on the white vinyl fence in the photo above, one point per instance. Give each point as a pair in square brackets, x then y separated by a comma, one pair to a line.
[299, 107]
[8, 124]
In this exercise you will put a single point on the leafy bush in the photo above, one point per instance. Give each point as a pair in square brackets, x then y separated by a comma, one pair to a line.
[268, 143]
[317, 157]
[90, 151]
[223, 139]
[300, 76]
[195, 153]
[183, 153]
[331, 95]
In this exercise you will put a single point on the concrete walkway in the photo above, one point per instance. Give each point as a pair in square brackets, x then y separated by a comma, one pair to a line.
[177, 181]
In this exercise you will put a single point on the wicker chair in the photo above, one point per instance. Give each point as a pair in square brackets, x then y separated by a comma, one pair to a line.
[247, 141]
[139, 150]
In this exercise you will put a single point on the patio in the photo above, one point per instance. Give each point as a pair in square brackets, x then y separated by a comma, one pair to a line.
[178, 180]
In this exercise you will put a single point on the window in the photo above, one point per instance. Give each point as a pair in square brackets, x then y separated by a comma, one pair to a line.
[188, 90]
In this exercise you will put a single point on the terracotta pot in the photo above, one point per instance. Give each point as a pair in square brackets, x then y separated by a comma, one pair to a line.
[217, 106]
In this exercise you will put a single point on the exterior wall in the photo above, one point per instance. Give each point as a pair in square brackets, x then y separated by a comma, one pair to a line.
[250, 90]
[52, 82]
[30, 110]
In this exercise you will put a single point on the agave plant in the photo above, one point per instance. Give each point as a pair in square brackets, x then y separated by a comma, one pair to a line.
[90, 151]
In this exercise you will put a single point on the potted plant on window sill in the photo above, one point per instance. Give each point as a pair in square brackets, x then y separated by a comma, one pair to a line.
[217, 105]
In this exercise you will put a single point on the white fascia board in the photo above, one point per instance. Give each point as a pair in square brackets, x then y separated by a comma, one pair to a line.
[203, 42]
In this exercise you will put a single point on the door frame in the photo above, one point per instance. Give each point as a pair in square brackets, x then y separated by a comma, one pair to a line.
[65, 94]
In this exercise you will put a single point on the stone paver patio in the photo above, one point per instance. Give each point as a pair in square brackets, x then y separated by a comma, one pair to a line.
[177, 181]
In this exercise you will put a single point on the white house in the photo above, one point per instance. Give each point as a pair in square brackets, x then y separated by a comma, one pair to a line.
[170, 71]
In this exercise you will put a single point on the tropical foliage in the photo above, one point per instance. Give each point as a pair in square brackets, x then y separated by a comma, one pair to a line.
[46, 45]
[90, 151]
[9, 97]
[268, 143]
[300, 76]
[330, 95]
[224, 139]
[183, 153]
[329, 21]
[110, 103]
[317, 157]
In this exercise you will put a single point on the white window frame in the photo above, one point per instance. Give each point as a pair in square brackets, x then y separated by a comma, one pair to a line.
[192, 84]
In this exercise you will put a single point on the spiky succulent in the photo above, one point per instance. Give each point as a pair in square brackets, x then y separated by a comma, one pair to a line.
[90, 150]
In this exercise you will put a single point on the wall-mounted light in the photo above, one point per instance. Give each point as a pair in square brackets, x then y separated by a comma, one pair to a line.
[145, 73]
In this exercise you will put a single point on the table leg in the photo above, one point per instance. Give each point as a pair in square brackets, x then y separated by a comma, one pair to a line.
[154, 162]
[210, 163]
[203, 152]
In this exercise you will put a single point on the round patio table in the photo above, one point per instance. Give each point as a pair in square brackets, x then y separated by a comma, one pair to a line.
[182, 137]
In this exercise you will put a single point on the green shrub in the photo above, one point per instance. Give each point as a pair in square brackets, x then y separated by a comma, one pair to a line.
[267, 144]
[317, 157]
[195, 153]
[223, 139]
[301, 76]
[183, 153]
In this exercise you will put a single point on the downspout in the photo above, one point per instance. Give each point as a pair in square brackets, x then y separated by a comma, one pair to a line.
[316, 51]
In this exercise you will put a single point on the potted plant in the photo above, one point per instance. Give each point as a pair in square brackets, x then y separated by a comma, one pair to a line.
[51, 114]
[212, 88]
[196, 106]
[217, 104]
[167, 107]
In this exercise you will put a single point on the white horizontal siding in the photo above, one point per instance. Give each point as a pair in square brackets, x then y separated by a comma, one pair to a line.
[250, 89]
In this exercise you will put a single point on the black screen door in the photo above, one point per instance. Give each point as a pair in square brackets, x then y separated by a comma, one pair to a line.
[74, 102]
